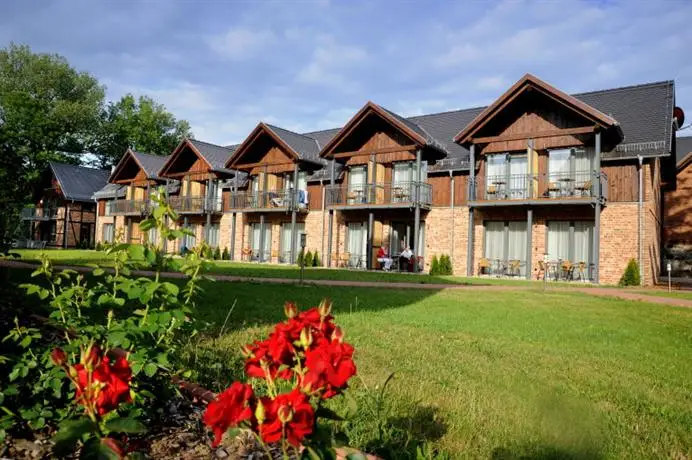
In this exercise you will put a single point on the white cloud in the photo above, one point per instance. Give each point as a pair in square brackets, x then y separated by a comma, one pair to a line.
[330, 62]
[241, 43]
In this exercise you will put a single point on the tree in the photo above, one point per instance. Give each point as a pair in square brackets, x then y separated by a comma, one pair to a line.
[141, 124]
[631, 275]
[48, 111]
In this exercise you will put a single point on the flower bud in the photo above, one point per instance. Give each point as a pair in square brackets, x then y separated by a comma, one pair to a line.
[325, 308]
[285, 414]
[92, 357]
[291, 310]
[246, 351]
[338, 335]
[58, 357]
[260, 414]
[306, 338]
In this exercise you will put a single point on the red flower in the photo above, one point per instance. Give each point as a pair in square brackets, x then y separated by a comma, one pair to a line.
[290, 414]
[260, 361]
[230, 408]
[104, 386]
[329, 367]
[58, 357]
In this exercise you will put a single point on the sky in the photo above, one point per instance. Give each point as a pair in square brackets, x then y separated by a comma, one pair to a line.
[309, 65]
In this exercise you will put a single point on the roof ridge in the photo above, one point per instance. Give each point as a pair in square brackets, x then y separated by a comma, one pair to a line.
[208, 143]
[626, 87]
[447, 111]
[290, 131]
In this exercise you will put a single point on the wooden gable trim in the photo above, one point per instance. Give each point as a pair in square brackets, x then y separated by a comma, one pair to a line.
[260, 129]
[684, 163]
[530, 81]
[535, 135]
[403, 148]
[121, 164]
[174, 156]
[358, 118]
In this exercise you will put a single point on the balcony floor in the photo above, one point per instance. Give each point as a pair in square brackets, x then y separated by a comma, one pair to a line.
[534, 202]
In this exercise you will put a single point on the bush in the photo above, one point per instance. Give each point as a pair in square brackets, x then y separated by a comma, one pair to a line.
[217, 253]
[99, 247]
[299, 259]
[316, 260]
[435, 266]
[308, 259]
[225, 255]
[631, 275]
[445, 265]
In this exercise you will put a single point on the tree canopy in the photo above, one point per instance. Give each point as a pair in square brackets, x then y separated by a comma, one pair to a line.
[141, 124]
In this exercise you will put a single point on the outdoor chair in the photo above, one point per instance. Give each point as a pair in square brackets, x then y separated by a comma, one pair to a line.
[567, 267]
[246, 253]
[541, 270]
[553, 189]
[514, 267]
[484, 266]
[584, 189]
[582, 271]
[492, 192]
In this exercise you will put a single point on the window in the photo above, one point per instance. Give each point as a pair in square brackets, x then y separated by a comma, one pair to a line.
[153, 236]
[109, 207]
[190, 241]
[357, 177]
[571, 241]
[507, 176]
[108, 233]
[285, 243]
[256, 234]
[505, 241]
[570, 171]
[213, 235]
[357, 244]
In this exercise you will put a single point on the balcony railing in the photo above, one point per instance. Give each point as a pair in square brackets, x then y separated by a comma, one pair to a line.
[271, 199]
[39, 213]
[545, 186]
[195, 204]
[397, 193]
[127, 207]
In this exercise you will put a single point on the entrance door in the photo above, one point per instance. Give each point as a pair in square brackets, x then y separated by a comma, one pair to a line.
[357, 244]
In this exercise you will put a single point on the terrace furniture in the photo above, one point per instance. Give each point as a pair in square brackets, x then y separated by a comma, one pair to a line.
[565, 188]
[584, 189]
[345, 259]
[500, 184]
[246, 253]
[566, 269]
[484, 266]
[492, 192]
[400, 194]
[541, 270]
[553, 189]
[514, 267]
[500, 267]
[581, 267]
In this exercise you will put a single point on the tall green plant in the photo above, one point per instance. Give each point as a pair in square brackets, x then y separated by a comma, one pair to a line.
[631, 275]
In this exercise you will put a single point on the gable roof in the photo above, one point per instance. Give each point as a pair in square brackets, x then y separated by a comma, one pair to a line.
[150, 163]
[78, 183]
[216, 155]
[683, 154]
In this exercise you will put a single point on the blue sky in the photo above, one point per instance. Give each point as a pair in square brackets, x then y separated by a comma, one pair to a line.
[308, 65]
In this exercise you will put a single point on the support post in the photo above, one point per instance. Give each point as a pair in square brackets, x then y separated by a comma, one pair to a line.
[323, 208]
[640, 220]
[416, 216]
[207, 210]
[529, 242]
[233, 222]
[128, 229]
[451, 206]
[293, 202]
[471, 196]
[66, 223]
[597, 210]
[164, 241]
[186, 238]
[371, 225]
[331, 215]
[261, 241]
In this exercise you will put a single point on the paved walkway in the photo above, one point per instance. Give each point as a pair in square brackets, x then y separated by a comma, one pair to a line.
[597, 291]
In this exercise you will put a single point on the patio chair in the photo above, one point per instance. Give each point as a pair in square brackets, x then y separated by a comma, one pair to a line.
[484, 265]
[581, 266]
[492, 192]
[246, 253]
[345, 259]
[584, 189]
[567, 268]
[514, 267]
[541, 270]
[553, 189]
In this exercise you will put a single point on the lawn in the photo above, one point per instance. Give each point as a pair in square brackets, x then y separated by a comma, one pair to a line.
[485, 374]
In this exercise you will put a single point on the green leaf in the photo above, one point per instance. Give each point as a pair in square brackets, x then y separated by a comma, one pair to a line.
[98, 272]
[171, 288]
[150, 369]
[159, 212]
[311, 454]
[356, 456]
[71, 431]
[329, 414]
[136, 251]
[125, 425]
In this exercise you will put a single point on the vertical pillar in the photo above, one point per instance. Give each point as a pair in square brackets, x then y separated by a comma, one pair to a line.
[233, 222]
[451, 207]
[164, 241]
[416, 217]
[371, 225]
[597, 210]
[529, 242]
[331, 214]
[128, 229]
[186, 238]
[66, 223]
[261, 241]
[471, 196]
[294, 203]
[322, 232]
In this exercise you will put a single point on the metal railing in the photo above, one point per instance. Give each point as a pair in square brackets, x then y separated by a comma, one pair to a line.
[127, 207]
[557, 186]
[196, 204]
[39, 213]
[270, 199]
[405, 193]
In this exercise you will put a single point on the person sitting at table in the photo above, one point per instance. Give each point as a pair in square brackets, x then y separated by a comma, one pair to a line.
[405, 257]
[383, 258]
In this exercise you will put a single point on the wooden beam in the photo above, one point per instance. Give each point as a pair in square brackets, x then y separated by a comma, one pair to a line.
[403, 148]
[535, 135]
[255, 165]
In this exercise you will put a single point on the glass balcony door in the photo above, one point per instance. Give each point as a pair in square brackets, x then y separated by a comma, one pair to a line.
[357, 244]
[357, 179]
[505, 247]
[506, 177]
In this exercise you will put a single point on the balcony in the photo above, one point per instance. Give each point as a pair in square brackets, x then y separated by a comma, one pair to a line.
[577, 187]
[271, 200]
[127, 207]
[195, 204]
[385, 195]
[39, 213]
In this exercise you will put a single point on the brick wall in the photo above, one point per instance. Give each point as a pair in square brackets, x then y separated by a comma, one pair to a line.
[445, 233]
[677, 215]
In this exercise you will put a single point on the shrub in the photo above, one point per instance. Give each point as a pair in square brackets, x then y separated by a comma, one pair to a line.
[99, 247]
[225, 255]
[631, 275]
[445, 265]
[316, 260]
[308, 259]
[435, 266]
[299, 259]
[217, 253]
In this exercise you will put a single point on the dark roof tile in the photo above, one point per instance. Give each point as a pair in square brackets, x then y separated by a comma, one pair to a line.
[79, 183]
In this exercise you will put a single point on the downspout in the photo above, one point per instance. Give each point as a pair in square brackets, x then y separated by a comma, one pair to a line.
[640, 220]
[451, 203]
[323, 190]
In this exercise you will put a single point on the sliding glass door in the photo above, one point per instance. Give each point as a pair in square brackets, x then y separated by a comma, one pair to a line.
[357, 178]
[258, 253]
[571, 241]
[285, 242]
[357, 240]
[506, 246]
[507, 176]
[570, 172]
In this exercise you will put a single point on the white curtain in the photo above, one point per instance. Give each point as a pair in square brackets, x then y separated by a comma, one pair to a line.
[302, 180]
[153, 236]
[558, 240]
[518, 168]
[516, 249]
[494, 240]
[583, 241]
[403, 173]
[191, 240]
[108, 233]
[497, 172]
[357, 177]
[285, 242]
[213, 235]
[357, 242]
[255, 238]
[559, 162]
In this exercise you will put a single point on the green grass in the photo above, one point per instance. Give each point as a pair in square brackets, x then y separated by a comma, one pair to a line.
[499, 374]
[664, 293]
[485, 374]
